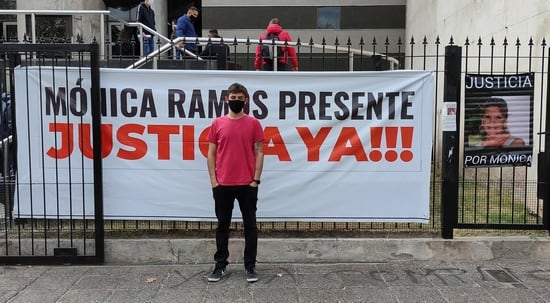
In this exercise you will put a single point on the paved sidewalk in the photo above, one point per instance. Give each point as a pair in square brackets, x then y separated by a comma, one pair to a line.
[395, 281]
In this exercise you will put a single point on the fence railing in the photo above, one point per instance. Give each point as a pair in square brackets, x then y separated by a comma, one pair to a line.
[507, 196]
[249, 46]
[345, 52]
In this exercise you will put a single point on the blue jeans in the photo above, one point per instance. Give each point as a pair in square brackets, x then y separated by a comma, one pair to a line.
[224, 197]
[148, 45]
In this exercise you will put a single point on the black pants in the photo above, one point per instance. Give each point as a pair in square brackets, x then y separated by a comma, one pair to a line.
[224, 197]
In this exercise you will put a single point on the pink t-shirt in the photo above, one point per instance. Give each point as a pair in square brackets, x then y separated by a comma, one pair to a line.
[235, 138]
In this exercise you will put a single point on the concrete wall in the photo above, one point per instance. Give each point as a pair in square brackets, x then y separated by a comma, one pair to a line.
[249, 18]
[485, 19]
[305, 250]
[88, 26]
[478, 18]
[61, 4]
[161, 17]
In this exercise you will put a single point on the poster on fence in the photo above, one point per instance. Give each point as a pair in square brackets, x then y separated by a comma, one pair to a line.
[498, 120]
[340, 146]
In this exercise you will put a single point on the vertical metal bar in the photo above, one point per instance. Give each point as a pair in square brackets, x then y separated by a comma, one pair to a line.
[463, 170]
[500, 195]
[412, 52]
[436, 132]
[82, 174]
[476, 183]
[28, 56]
[8, 203]
[57, 219]
[98, 167]
[33, 28]
[69, 172]
[450, 147]
[102, 36]
[336, 51]
[546, 200]
[543, 168]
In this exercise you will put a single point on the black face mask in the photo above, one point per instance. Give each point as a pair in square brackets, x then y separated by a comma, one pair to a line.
[236, 106]
[192, 18]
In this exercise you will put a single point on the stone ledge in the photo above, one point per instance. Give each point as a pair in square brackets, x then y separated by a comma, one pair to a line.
[330, 250]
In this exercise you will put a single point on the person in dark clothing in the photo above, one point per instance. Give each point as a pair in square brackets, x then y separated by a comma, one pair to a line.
[216, 50]
[186, 28]
[146, 16]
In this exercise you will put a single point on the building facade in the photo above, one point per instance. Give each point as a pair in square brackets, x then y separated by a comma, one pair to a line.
[309, 20]
[304, 19]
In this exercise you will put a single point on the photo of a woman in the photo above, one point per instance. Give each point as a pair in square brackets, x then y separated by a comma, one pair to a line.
[498, 121]
[494, 125]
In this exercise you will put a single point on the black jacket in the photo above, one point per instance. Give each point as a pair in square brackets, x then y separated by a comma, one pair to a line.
[146, 15]
[217, 51]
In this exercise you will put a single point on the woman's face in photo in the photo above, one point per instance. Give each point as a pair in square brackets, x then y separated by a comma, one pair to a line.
[493, 121]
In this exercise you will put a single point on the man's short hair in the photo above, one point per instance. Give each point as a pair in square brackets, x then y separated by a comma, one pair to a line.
[213, 32]
[236, 88]
[193, 8]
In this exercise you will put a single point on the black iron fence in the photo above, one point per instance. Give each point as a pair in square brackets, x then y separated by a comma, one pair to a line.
[501, 197]
[504, 197]
[34, 236]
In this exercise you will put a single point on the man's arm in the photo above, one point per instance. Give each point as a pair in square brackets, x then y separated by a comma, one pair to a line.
[211, 162]
[291, 51]
[180, 27]
[139, 14]
[259, 153]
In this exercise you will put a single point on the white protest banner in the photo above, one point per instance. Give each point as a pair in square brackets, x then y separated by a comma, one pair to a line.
[340, 146]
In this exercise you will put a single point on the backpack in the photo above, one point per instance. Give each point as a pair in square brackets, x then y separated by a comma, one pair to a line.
[267, 48]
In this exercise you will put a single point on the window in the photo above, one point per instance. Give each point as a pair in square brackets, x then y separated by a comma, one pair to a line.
[9, 31]
[328, 17]
[127, 14]
[124, 40]
[51, 27]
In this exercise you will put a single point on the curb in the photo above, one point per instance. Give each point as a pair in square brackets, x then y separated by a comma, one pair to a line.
[330, 250]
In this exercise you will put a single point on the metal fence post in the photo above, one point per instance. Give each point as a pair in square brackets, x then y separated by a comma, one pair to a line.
[450, 147]
[98, 160]
[546, 197]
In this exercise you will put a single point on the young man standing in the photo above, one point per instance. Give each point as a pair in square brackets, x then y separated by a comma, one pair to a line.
[235, 162]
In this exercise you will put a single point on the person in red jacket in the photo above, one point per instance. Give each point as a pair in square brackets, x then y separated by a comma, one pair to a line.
[287, 60]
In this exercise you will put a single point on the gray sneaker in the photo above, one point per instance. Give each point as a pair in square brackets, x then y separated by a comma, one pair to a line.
[216, 275]
[251, 275]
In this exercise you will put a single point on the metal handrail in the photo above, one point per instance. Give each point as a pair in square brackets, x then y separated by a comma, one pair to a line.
[141, 27]
[5, 153]
[394, 63]
[170, 44]
[162, 49]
